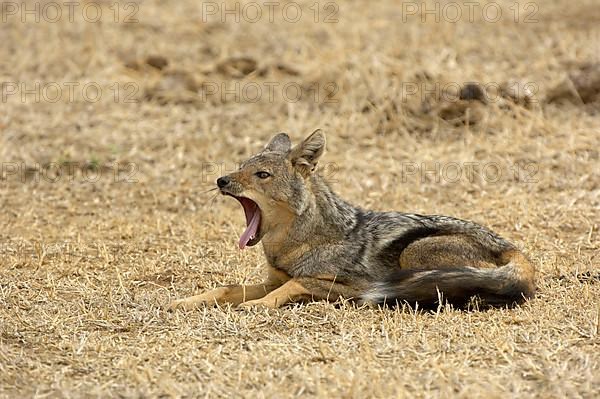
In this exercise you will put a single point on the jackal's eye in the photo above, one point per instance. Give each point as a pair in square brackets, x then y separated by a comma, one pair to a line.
[262, 174]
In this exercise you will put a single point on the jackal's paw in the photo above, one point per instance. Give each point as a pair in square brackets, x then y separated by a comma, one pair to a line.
[184, 304]
[193, 302]
[263, 303]
[210, 298]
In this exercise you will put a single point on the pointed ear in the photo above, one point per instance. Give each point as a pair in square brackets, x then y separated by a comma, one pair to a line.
[279, 143]
[305, 155]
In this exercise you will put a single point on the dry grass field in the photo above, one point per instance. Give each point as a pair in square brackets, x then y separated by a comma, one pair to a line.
[111, 133]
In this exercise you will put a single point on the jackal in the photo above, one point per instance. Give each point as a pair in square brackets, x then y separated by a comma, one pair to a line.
[320, 247]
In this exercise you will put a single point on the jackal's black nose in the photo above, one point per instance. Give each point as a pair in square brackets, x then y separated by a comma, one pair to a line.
[223, 181]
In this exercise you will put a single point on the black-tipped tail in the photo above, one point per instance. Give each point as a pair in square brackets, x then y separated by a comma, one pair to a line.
[502, 286]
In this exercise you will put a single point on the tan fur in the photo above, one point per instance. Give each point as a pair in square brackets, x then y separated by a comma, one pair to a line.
[447, 252]
[291, 291]
[233, 294]
[307, 288]
[524, 270]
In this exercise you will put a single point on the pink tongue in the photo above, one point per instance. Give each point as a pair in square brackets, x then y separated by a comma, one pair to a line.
[252, 220]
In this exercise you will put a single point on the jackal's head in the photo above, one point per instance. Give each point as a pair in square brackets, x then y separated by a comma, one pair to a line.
[274, 185]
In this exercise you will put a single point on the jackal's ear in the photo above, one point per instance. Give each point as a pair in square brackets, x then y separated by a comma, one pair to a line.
[305, 155]
[279, 143]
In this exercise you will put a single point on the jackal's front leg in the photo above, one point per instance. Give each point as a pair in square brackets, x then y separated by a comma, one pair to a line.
[233, 294]
[306, 288]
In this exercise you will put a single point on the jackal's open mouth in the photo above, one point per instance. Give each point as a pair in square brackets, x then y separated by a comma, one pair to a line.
[251, 236]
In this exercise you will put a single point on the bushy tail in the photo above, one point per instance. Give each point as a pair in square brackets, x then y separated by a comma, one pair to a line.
[510, 284]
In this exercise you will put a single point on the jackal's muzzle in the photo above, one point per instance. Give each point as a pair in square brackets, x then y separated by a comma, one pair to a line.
[251, 236]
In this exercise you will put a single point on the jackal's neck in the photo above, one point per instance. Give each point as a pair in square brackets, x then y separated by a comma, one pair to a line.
[329, 214]
[324, 218]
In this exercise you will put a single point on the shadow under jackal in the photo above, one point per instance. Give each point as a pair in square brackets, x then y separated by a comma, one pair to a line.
[320, 247]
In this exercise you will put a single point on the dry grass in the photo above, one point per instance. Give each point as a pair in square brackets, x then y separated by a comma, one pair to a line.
[86, 267]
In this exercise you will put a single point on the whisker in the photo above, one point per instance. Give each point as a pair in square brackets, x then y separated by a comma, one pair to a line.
[212, 200]
[209, 190]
